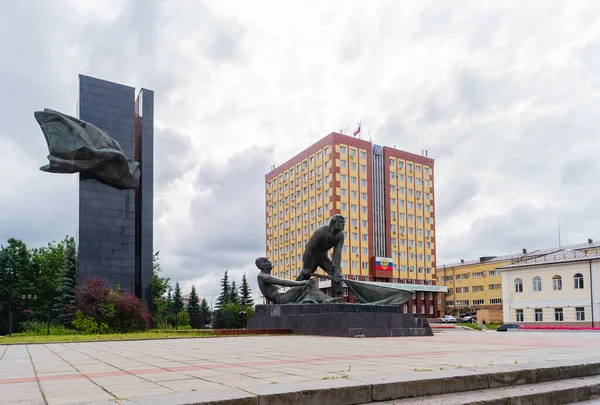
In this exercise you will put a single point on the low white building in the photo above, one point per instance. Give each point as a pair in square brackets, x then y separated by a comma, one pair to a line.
[558, 288]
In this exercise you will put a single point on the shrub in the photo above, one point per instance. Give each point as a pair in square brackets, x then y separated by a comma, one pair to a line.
[131, 313]
[92, 300]
[101, 309]
[36, 328]
[88, 325]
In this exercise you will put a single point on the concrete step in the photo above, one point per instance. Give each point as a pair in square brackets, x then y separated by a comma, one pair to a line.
[548, 393]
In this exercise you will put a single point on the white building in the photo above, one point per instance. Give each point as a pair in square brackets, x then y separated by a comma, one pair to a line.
[557, 288]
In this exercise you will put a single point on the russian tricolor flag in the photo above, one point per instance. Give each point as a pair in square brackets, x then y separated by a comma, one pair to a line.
[357, 131]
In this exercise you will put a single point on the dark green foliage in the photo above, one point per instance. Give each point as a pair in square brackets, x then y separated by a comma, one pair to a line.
[160, 287]
[233, 316]
[225, 295]
[177, 299]
[64, 303]
[14, 263]
[29, 281]
[193, 309]
[233, 294]
[205, 312]
[245, 293]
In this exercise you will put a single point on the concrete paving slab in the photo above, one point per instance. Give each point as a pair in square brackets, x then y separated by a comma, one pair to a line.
[250, 362]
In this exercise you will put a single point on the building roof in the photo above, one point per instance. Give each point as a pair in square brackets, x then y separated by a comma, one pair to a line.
[560, 256]
[521, 255]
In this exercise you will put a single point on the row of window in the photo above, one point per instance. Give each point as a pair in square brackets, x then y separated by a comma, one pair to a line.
[475, 288]
[305, 163]
[409, 180]
[353, 166]
[409, 166]
[465, 303]
[465, 276]
[557, 283]
[344, 149]
[558, 314]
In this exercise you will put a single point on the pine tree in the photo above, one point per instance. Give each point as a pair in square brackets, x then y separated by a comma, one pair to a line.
[225, 296]
[193, 309]
[64, 303]
[233, 295]
[245, 293]
[204, 312]
[177, 299]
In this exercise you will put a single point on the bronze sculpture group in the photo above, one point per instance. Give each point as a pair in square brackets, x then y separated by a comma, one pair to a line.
[305, 290]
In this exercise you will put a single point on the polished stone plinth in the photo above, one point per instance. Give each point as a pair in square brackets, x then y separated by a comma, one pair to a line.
[345, 320]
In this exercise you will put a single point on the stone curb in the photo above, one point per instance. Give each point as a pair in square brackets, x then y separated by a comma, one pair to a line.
[377, 388]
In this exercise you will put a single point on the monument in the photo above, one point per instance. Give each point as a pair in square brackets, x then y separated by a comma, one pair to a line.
[306, 310]
[110, 144]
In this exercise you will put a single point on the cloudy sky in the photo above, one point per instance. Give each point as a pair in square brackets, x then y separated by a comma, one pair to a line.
[503, 95]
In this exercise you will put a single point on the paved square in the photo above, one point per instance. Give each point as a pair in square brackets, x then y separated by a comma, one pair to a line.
[229, 366]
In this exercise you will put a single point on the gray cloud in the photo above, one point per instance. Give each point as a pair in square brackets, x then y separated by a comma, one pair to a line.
[501, 94]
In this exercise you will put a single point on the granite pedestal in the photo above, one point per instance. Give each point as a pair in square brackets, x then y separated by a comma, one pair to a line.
[345, 320]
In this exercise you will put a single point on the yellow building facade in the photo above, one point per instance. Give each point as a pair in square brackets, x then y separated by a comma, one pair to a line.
[387, 198]
[477, 284]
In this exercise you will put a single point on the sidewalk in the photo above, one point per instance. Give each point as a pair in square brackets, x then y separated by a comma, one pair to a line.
[238, 367]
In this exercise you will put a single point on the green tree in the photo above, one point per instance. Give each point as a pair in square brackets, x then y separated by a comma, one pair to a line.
[193, 309]
[225, 295]
[44, 276]
[233, 316]
[177, 299]
[14, 263]
[245, 293]
[64, 303]
[204, 312]
[160, 287]
[176, 304]
[233, 295]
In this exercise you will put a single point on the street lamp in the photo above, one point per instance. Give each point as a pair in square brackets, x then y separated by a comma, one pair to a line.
[243, 313]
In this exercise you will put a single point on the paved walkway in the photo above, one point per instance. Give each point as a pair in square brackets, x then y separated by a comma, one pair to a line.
[230, 366]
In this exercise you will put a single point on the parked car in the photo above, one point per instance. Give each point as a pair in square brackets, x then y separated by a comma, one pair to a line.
[448, 319]
[470, 319]
[506, 327]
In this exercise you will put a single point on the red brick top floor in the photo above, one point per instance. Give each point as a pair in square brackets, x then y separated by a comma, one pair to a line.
[337, 138]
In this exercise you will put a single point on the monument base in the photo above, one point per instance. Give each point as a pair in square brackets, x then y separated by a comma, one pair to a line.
[345, 320]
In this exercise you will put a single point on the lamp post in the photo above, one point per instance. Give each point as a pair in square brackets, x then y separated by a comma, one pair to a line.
[243, 313]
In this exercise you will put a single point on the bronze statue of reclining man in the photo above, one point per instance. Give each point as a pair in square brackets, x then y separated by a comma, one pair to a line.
[302, 292]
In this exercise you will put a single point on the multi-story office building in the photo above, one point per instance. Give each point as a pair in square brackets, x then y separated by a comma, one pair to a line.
[477, 284]
[387, 198]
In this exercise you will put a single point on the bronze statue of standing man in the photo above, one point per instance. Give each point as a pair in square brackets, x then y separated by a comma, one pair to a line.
[315, 253]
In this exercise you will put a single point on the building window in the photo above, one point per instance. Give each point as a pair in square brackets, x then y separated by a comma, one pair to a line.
[495, 301]
[405, 309]
[345, 292]
[478, 302]
[518, 285]
[539, 317]
[494, 273]
[537, 284]
[556, 283]
[519, 315]
[578, 279]
[558, 314]
[580, 313]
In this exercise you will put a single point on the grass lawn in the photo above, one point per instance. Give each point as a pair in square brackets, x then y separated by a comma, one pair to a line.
[26, 338]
